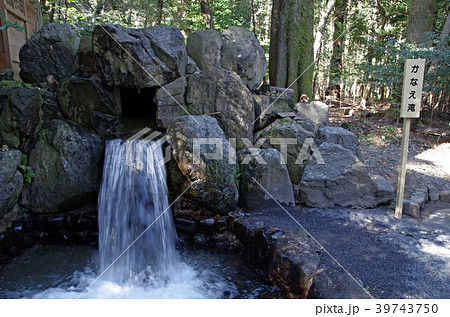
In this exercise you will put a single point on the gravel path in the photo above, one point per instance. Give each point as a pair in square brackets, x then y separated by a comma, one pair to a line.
[392, 258]
[426, 165]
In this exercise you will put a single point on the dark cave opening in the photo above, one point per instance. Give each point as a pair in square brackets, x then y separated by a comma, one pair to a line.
[137, 103]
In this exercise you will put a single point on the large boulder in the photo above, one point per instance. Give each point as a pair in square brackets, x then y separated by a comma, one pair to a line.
[67, 162]
[264, 181]
[210, 180]
[87, 102]
[292, 132]
[343, 180]
[86, 57]
[6, 87]
[139, 58]
[267, 109]
[340, 136]
[11, 180]
[242, 53]
[221, 93]
[317, 111]
[20, 117]
[170, 102]
[53, 50]
[204, 47]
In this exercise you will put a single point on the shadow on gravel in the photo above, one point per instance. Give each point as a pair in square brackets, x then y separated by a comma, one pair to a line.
[392, 258]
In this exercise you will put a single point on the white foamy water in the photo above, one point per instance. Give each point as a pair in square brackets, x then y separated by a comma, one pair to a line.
[137, 257]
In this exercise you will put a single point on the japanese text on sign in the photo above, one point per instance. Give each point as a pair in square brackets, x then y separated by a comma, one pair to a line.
[412, 88]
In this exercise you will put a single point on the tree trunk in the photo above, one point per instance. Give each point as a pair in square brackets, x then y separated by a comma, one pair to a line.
[419, 24]
[338, 42]
[159, 12]
[322, 23]
[420, 21]
[291, 45]
[206, 11]
[267, 21]
[52, 13]
[252, 3]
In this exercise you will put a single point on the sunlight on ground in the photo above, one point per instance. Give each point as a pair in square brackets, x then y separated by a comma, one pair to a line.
[440, 248]
[438, 156]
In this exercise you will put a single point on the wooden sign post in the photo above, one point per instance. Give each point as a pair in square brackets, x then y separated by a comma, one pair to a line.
[411, 97]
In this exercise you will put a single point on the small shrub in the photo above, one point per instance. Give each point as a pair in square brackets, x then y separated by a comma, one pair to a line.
[27, 171]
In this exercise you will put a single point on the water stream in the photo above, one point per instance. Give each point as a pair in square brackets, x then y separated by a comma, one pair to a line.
[138, 255]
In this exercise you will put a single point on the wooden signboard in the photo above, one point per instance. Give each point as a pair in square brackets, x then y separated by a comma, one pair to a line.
[412, 88]
[411, 97]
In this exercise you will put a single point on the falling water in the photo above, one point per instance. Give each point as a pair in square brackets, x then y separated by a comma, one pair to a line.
[136, 230]
[137, 238]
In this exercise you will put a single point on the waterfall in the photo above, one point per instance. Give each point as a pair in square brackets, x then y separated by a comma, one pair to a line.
[133, 201]
[137, 255]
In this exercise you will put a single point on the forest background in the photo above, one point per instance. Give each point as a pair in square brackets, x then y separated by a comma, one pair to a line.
[341, 49]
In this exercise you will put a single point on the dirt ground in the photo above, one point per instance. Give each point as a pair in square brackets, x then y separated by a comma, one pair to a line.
[380, 132]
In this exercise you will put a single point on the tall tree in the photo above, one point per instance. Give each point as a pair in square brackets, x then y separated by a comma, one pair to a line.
[206, 11]
[324, 15]
[159, 12]
[340, 11]
[420, 21]
[291, 45]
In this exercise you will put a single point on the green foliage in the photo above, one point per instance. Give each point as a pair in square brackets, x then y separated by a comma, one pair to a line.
[27, 171]
[6, 24]
[237, 178]
[15, 84]
[390, 57]
[348, 126]
[387, 129]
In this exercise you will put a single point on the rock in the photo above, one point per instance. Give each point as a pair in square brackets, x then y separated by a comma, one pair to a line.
[295, 263]
[7, 74]
[306, 124]
[211, 180]
[340, 136]
[267, 109]
[11, 180]
[317, 111]
[53, 51]
[86, 57]
[6, 86]
[86, 102]
[332, 284]
[221, 93]
[50, 106]
[221, 224]
[385, 192]
[10, 192]
[206, 226]
[242, 53]
[268, 173]
[204, 47]
[191, 67]
[67, 162]
[139, 58]
[185, 226]
[419, 198]
[411, 208]
[444, 196]
[258, 240]
[343, 180]
[170, 101]
[20, 117]
[281, 92]
[9, 160]
[433, 193]
[295, 135]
